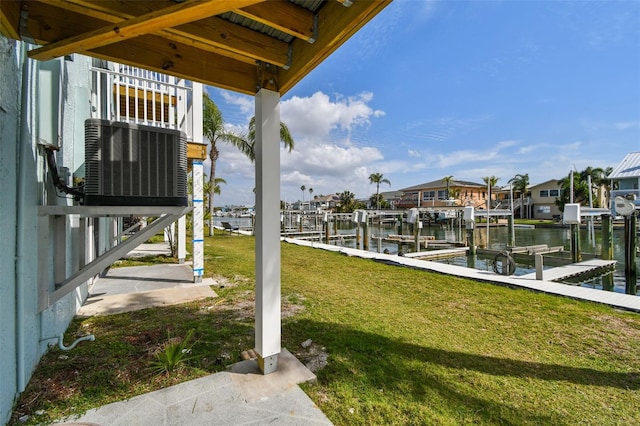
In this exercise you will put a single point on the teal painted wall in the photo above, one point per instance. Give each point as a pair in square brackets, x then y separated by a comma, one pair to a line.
[38, 102]
[9, 123]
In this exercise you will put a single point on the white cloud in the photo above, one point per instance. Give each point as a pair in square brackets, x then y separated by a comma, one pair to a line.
[317, 116]
[625, 125]
[246, 104]
[324, 158]
[413, 153]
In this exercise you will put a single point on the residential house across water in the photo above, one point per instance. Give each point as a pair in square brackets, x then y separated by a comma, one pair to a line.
[625, 177]
[434, 194]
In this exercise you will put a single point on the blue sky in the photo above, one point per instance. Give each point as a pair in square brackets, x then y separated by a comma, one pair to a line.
[464, 88]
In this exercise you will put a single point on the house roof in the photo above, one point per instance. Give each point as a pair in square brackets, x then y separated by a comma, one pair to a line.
[387, 195]
[554, 182]
[326, 198]
[240, 45]
[440, 184]
[629, 167]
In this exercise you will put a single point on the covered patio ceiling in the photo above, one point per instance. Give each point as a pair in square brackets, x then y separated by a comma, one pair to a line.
[240, 45]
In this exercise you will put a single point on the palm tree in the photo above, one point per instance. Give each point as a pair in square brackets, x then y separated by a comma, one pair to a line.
[379, 201]
[521, 183]
[214, 131]
[454, 193]
[346, 201]
[378, 178]
[249, 148]
[310, 192]
[447, 180]
[216, 186]
[490, 181]
[580, 186]
[302, 188]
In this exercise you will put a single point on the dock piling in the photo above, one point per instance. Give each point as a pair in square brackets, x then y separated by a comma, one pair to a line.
[607, 237]
[539, 267]
[576, 254]
[630, 249]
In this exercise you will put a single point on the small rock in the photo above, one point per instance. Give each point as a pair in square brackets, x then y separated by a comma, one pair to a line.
[306, 343]
[352, 410]
[23, 419]
[39, 412]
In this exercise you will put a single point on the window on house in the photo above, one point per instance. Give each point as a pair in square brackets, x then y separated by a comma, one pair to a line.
[442, 194]
[544, 209]
[554, 193]
[428, 195]
[410, 196]
[544, 193]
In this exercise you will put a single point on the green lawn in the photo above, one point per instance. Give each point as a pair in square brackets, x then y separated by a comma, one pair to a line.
[402, 346]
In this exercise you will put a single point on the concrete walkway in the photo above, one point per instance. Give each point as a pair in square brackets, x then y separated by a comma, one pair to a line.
[240, 396]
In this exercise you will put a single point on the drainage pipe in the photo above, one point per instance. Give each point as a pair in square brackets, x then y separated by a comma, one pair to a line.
[23, 139]
[61, 345]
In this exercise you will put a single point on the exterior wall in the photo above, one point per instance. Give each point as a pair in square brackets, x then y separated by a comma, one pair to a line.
[629, 183]
[434, 197]
[29, 114]
[10, 71]
[544, 207]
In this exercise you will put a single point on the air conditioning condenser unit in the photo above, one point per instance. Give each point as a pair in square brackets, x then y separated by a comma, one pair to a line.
[134, 165]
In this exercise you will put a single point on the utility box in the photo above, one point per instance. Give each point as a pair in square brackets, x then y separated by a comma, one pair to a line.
[469, 214]
[571, 214]
[412, 215]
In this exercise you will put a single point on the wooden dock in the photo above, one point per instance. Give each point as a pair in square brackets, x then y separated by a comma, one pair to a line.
[438, 254]
[560, 273]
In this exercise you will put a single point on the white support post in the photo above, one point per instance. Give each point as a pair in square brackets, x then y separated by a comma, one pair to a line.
[198, 221]
[182, 239]
[268, 325]
[195, 121]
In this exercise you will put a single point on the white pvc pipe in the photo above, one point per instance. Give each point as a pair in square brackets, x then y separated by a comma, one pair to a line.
[24, 143]
[61, 345]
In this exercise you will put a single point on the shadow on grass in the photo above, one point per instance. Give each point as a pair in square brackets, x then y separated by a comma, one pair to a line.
[426, 374]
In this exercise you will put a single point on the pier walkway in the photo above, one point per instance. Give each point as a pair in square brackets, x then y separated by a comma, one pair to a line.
[616, 300]
[560, 273]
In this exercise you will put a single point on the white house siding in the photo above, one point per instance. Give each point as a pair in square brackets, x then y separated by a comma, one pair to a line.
[28, 113]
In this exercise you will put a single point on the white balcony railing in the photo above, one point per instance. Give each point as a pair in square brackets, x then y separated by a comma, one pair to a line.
[138, 96]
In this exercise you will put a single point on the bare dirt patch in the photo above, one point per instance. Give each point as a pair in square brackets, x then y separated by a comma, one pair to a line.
[313, 356]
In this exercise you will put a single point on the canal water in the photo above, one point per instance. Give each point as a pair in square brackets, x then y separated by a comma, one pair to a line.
[497, 240]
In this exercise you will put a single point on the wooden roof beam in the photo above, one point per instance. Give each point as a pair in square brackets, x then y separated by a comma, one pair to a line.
[168, 17]
[10, 19]
[185, 61]
[290, 19]
[334, 28]
[211, 34]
